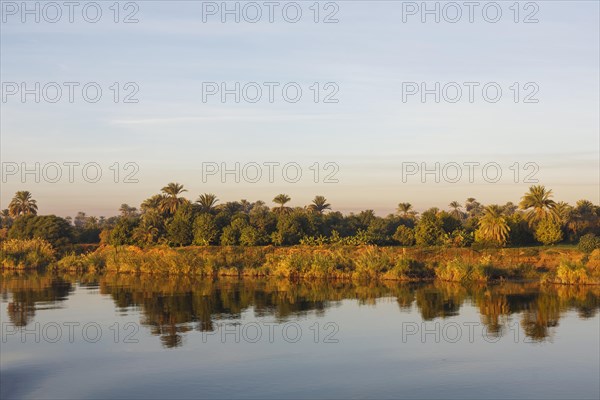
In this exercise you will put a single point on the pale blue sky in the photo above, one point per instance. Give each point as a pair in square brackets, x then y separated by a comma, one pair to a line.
[369, 133]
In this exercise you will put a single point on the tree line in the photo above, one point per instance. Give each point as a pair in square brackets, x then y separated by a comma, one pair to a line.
[169, 218]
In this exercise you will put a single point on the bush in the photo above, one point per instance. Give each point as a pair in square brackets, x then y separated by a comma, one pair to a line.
[457, 271]
[371, 263]
[205, 230]
[54, 230]
[405, 236]
[588, 243]
[91, 262]
[571, 273]
[428, 231]
[548, 232]
[408, 269]
[24, 254]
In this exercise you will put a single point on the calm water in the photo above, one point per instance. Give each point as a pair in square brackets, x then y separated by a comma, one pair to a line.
[141, 337]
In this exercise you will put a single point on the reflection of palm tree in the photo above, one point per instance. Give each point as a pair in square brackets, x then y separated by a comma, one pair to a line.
[172, 202]
[281, 199]
[22, 204]
[493, 226]
[319, 204]
[207, 202]
[539, 204]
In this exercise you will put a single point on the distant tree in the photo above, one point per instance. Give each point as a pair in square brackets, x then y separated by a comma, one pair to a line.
[456, 210]
[123, 232]
[588, 243]
[153, 203]
[5, 219]
[127, 211]
[291, 227]
[493, 227]
[56, 230]
[171, 202]
[206, 231]
[282, 200]
[22, 204]
[548, 231]
[449, 222]
[319, 204]
[473, 207]
[230, 236]
[80, 220]
[206, 202]
[404, 209]
[145, 234]
[509, 208]
[428, 231]
[250, 236]
[538, 204]
[180, 228]
[520, 233]
[246, 206]
[404, 236]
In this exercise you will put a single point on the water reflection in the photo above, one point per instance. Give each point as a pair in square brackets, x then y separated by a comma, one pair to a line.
[172, 306]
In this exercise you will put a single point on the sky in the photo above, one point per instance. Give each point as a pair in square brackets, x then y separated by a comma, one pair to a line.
[365, 129]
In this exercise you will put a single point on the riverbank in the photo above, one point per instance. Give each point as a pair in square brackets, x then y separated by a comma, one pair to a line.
[565, 265]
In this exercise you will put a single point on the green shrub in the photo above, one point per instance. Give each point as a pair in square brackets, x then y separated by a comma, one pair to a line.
[25, 254]
[458, 270]
[405, 236]
[588, 243]
[572, 273]
[407, 268]
[548, 232]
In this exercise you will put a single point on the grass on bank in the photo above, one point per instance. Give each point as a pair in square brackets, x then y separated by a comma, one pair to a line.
[318, 262]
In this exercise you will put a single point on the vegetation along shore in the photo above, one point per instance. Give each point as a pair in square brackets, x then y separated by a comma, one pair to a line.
[537, 239]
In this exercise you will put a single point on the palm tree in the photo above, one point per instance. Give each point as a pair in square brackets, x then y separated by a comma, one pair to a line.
[206, 202]
[246, 206]
[171, 202]
[404, 208]
[564, 212]
[456, 213]
[319, 204]
[282, 199]
[493, 226]
[539, 204]
[91, 223]
[473, 207]
[22, 204]
[5, 219]
[153, 203]
[127, 211]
